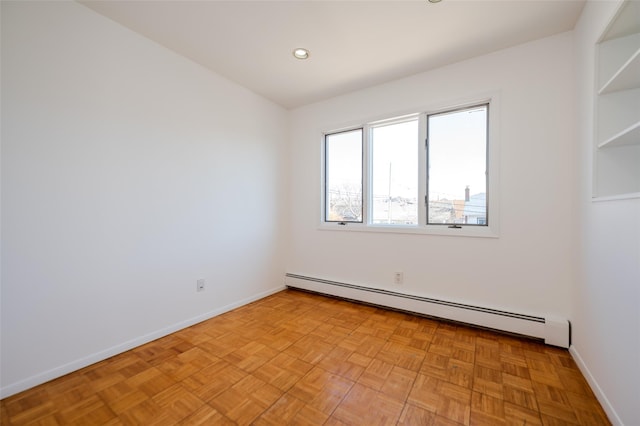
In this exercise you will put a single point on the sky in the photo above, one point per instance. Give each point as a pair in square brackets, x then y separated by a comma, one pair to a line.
[457, 144]
[457, 153]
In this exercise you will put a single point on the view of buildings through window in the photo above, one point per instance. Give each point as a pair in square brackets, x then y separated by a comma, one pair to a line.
[343, 176]
[457, 157]
[394, 164]
[456, 187]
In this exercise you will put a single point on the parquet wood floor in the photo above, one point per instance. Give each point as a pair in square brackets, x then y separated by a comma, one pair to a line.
[303, 359]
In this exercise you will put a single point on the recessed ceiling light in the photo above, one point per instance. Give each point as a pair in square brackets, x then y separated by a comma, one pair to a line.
[301, 53]
[435, 1]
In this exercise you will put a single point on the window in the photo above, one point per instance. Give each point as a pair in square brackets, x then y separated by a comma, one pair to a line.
[457, 164]
[394, 177]
[417, 173]
[343, 176]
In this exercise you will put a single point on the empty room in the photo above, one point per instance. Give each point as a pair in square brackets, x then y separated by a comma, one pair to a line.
[421, 212]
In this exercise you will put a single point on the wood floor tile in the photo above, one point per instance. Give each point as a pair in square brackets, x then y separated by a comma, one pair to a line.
[338, 361]
[335, 422]
[454, 402]
[213, 380]
[424, 393]
[146, 412]
[359, 359]
[321, 390]
[366, 406]
[151, 381]
[362, 343]
[555, 413]
[479, 418]
[178, 400]
[4, 416]
[309, 349]
[487, 407]
[121, 397]
[585, 408]
[296, 358]
[516, 382]
[399, 383]
[520, 397]
[454, 410]
[309, 416]
[459, 373]
[376, 374]
[488, 381]
[283, 371]
[176, 369]
[518, 415]
[224, 344]
[283, 411]
[554, 421]
[591, 417]
[413, 415]
[279, 338]
[462, 354]
[572, 381]
[331, 334]
[251, 356]
[444, 421]
[206, 415]
[101, 379]
[402, 356]
[245, 400]
[70, 390]
[30, 406]
[91, 410]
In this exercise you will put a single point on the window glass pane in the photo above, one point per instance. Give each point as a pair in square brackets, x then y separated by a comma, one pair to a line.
[457, 179]
[394, 151]
[343, 176]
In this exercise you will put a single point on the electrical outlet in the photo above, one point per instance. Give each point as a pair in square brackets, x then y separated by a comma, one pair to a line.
[398, 278]
[200, 285]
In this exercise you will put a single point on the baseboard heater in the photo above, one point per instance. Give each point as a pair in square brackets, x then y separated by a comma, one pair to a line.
[554, 331]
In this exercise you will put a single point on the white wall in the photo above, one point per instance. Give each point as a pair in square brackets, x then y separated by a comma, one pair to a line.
[128, 172]
[525, 270]
[606, 298]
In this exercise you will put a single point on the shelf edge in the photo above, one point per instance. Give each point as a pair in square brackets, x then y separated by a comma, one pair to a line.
[603, 89]
[611, 141]
[627, 196]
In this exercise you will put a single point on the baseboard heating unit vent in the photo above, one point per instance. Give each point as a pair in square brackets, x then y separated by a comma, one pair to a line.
[554, 331]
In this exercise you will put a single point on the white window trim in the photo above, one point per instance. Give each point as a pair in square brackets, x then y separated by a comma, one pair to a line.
[493, 159]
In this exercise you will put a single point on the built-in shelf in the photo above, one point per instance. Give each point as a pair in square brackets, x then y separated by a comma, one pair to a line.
[624, 23]
[629, 136]
[617, 96]
[627, 77]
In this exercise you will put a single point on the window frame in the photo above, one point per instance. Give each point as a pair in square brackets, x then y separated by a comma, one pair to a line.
[492, 166]
[487, 179]
[363, 157]
[368, 163]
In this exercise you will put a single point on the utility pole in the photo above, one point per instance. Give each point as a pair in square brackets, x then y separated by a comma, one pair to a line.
[389, 198]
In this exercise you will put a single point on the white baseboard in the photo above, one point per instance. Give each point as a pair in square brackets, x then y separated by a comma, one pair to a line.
[602, 398]
[72, 366]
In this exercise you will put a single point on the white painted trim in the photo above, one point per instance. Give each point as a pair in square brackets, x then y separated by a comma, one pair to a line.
[628, 196]
[597, 390]
[441, 230]
[72, 366]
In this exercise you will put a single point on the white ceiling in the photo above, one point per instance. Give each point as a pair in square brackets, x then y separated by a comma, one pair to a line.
[353, 44]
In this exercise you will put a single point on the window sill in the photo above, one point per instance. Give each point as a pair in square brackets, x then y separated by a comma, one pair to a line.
[439, 230]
